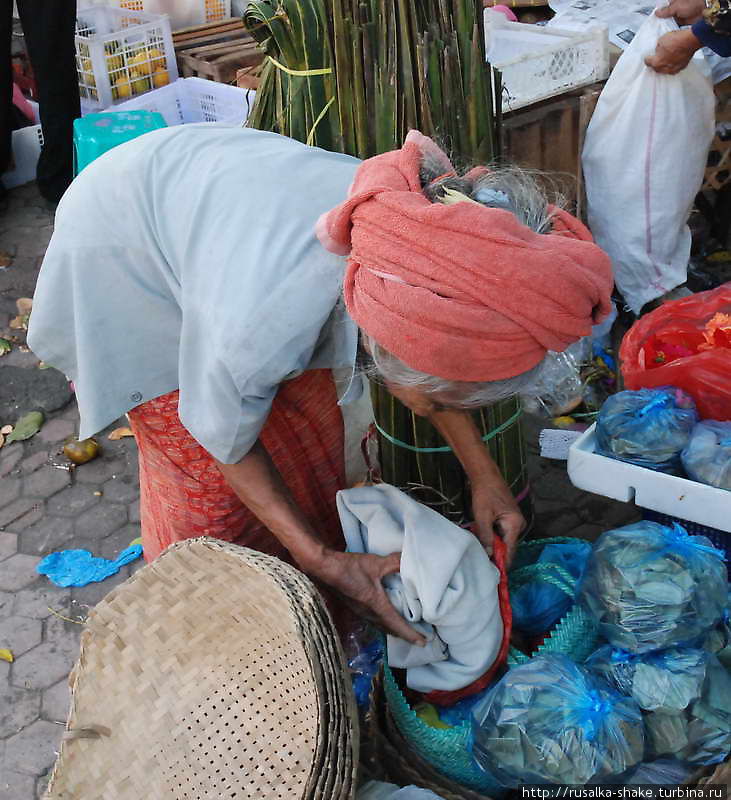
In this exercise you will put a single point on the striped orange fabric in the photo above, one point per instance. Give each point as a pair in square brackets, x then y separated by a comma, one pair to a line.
[184, 495]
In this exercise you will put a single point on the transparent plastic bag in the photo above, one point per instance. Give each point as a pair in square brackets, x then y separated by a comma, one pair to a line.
[546, 589]
[707, 456]
[559, 387]
[550, 721]
[649, 427]
[364, 653]
[653, 587]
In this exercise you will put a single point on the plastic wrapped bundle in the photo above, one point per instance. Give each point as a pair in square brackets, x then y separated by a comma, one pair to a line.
[707, 457]
[542, 592]
[649, 427]
[718, 641]
[550, 721]
[652, 587]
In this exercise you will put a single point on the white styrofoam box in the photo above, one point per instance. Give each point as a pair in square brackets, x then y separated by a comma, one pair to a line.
[121, 54]
[194, 100]
[182, 13]
[537, 62]
[26, 146]
[668, 494]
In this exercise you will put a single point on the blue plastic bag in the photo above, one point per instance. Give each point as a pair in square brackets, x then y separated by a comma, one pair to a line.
[649, 427]
[550, 721]
[652, 587]
[707, 457]
[364, 650]
[80, 567]
[685, 694]
[541, 593]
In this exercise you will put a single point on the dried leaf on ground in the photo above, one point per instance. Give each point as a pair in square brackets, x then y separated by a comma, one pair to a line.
[6, 429]
[5, 346]
[6, 655]
[2, 441]
[26, 426]
[19, 323]
[5, 260]
[119, 433]
[24, 306]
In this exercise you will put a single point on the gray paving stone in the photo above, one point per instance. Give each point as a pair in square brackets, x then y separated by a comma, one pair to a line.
[88, 596]
[99, 470]
[134, 511]
[25, 511]
[46, 536]
[33, 750]
[57, 430]
[55, 703]
[34, 462]
[101, 520]
[42, 785]
[9, 490]
[8, 545]
[15, 510]
[71, 412]
[17, 572]
[16, 785]
[62, 632]
[70, 502]
[18, 708]
[10, 460]
[112, 545]
[20, 634]
[35, 600]
[44, 665]
[45, 482]
[6, 604]
[121, 489]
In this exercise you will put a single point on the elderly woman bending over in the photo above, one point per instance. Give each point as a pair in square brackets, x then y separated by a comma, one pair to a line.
[207, 280]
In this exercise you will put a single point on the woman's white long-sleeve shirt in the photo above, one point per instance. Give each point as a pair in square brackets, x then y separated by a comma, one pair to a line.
[186, 259]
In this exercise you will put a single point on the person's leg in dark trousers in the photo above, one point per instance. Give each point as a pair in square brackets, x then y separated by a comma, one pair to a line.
[49, 27]
[6, 86]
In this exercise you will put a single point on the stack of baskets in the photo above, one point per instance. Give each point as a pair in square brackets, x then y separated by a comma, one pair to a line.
[214, 672]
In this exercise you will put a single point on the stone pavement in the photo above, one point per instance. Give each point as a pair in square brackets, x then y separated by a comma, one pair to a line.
[45, 505]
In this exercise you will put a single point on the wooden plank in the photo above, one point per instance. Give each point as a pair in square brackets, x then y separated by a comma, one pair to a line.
[210, 28]
[221, 68]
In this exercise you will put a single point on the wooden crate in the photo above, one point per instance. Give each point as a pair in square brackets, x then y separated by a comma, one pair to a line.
[216, 51]
[549, 137]
[249, 77]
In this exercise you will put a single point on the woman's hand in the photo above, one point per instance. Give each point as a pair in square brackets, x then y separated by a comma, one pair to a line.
[686, 12]
[358, 577]
[674, 52]
[496, 511]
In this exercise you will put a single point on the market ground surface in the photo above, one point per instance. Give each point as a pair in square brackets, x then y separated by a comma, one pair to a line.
[47, 506]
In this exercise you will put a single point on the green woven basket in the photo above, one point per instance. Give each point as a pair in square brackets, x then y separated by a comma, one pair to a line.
[449, 751]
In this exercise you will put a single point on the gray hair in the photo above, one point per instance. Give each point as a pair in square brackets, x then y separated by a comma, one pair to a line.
[508, 188]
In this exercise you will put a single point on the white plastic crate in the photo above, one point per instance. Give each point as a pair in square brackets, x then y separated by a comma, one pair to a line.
[26, 146]
[182, 13]
[667, 494]
[194, 100]
[537, 62]
[121, 54]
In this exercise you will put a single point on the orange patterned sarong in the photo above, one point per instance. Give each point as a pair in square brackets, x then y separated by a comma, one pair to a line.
[183, 494]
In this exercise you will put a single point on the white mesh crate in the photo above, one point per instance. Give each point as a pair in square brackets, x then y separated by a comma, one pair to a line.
[121, 54]
[26, 146]
[182, 13]
[537, 62]
[194, 100]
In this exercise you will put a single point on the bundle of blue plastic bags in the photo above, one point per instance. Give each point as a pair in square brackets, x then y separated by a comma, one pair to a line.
[648, 427]
[707, 456]
[650, 705]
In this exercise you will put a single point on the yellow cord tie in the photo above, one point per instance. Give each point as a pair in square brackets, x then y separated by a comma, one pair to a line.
[311, 134]
[301, 73]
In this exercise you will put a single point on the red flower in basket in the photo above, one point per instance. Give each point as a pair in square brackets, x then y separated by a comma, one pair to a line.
[717, 332]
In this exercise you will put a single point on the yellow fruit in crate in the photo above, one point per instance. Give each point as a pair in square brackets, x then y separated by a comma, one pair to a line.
[114, 63]
[122, 87]
[140, 84]
[157, 59]
[160, 78]
[141, 63]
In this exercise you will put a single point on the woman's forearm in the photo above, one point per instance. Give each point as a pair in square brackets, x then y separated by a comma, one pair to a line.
[258, 484]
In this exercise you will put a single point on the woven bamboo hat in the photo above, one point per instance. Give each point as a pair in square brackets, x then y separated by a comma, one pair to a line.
[214, 672]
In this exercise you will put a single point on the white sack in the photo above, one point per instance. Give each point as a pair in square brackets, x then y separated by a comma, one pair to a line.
[644, 158]
[446, 587]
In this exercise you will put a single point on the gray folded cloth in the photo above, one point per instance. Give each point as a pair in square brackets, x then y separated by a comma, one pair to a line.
[447, 586]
